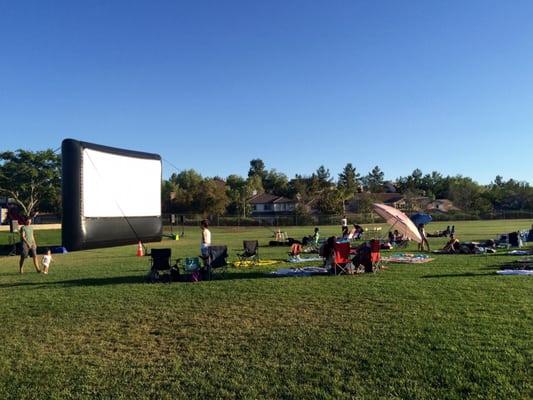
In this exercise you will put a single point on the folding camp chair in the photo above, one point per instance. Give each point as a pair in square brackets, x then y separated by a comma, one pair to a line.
[341, 258]
[216, 260]
[401, 244]
[250, 253]
[375, 254]
[296, 249]
[160, 261]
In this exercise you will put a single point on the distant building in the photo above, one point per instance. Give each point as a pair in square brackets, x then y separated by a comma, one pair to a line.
[267, 206]
[396, 200]
[441, 205]
[389, 187]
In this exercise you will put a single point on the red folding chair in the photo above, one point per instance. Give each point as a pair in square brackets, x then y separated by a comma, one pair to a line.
[342, 257]
[375, 254]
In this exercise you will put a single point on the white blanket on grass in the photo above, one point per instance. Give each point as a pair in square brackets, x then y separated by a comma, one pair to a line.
[304, 271]
[299, 259]
[515, 272]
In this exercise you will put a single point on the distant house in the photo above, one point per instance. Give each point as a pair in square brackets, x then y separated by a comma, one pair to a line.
[389, 187]
[267, 206]
[396, 200]
[441, 205]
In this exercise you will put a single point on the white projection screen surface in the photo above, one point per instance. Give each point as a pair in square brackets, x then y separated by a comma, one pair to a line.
[110, 196]
[117, 186]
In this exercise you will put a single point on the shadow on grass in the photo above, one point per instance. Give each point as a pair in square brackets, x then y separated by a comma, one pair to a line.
[121, 280]
[460, 275]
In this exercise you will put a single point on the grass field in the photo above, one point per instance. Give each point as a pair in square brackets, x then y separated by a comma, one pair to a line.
[450, 329]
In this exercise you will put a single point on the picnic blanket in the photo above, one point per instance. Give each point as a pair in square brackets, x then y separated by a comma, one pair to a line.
[408, 258]
[520, 252]
[298, 259]
[515, 272]
[303, 271]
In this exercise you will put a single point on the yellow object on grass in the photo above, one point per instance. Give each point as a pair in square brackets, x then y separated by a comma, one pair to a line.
[248, 263]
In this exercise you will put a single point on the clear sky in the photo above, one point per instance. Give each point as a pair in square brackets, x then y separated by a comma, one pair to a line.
[439, 85]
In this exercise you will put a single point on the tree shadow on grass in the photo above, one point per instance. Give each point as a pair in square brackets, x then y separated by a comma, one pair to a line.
[115, 280]
[131, 279]
[460, 275]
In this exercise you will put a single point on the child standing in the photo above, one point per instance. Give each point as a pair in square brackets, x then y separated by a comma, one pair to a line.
[47, 259]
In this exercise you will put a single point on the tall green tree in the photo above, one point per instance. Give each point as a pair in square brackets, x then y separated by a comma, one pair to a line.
[211, 198]
[299, 188]
[186, 179]
[238, 191]
[374, 180]
[330, 202]
[186, 187]
[257, 167]
[468, 195]
[321, 180]
[168, 195]
[255, 184]
[32, 179]
[276, 183]
[348, 183]
[349, 179]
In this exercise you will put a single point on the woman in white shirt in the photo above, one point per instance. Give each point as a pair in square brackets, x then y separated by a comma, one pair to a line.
[206, 238]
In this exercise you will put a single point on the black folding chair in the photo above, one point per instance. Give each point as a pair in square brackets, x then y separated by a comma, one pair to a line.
[160, 261]
[250, 253]
[216, 260]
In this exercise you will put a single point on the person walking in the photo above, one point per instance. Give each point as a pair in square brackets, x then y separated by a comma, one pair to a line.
[422, 232]
[28, 246]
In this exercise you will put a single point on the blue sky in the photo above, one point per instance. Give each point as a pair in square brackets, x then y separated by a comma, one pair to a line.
[209, 85]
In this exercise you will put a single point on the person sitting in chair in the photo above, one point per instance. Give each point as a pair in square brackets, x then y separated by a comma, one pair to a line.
[391, 238]
[398, 237]
[313, 239]
[345, 233]
[316, 236]
[327, 250]
[356, 232]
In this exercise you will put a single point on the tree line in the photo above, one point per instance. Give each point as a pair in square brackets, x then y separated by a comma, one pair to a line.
[189, 192]
[33, 181]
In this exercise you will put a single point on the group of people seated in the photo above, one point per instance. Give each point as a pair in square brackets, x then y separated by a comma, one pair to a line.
[396, 238]
[355, 233]
[361, 254]
[326, 249]
[454, 246]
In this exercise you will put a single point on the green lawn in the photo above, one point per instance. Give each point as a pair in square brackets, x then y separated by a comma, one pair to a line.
[93, 329]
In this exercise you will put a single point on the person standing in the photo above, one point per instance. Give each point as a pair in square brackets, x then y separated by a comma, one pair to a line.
[344, 223]
[28, 246]
[422, 232]
[206, 238]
